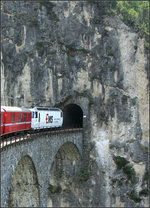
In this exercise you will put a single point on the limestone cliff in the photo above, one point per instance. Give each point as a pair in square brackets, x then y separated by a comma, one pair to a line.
[55, 53]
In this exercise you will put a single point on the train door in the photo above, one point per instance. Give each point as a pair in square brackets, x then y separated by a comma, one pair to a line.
[36, 119]
[39, 120]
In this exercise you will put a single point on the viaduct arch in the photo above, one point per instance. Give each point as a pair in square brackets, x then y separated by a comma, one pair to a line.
[67, 163]
[24, 190]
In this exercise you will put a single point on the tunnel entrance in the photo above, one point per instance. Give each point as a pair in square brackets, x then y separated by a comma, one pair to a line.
[73, 116]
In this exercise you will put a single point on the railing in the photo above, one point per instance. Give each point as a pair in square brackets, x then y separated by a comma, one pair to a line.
[8, 141]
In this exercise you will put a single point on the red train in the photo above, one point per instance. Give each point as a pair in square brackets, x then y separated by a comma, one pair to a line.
[14, 119]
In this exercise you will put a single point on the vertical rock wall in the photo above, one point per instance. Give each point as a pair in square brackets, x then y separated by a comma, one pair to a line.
[58, 51]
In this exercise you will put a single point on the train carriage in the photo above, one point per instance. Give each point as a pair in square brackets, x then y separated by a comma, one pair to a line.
[46, 117]
[16, 119]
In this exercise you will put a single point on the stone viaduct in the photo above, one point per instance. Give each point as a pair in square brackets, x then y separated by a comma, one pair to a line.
[36, 156]
[42, 151]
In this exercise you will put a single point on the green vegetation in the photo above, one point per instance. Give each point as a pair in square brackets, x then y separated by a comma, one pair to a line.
[134, 197]
[107, 58]
[146, 176]
[59, 174]
[41, 44]
[103, 115]
[119, 181]
[49, 7]
[120, 162]
[131, 175]
[92, 53]
[111, 146]
[135, 14]
[144, 148]
[83, 50]
[70, 47]
[54, 189]
[124, 99]
[109, 51]
[30, 54]
[133, 101]
[92, 102]
[144, 192]
[33, 23]
[97, 20]
[84, 93]
[70, 50]
[83, 176]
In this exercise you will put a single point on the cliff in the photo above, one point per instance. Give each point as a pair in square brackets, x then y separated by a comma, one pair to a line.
[59, 52]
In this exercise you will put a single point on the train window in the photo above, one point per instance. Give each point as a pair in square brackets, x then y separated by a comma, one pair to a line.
[32, 114]
[24, 117]
[36, 114]
[13, 118]
[19, 117]
[61, 114]
[28, 117]
[39, 117]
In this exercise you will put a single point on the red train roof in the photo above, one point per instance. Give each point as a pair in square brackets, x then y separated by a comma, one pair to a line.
[15, 109]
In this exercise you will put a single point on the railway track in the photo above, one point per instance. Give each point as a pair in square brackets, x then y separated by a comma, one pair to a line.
[8, 141]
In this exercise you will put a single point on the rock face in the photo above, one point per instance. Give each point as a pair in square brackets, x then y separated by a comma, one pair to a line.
[55, 53]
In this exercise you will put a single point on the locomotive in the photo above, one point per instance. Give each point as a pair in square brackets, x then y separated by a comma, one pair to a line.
[25, 119]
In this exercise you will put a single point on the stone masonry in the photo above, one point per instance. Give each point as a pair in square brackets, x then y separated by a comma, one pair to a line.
[42, 151]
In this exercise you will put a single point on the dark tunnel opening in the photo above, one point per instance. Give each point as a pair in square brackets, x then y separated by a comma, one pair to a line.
[73, 116]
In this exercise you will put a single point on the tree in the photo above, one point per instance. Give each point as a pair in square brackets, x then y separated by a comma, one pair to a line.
[135, 14]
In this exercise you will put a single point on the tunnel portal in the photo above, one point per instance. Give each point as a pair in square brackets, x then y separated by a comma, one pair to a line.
[73, 116]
